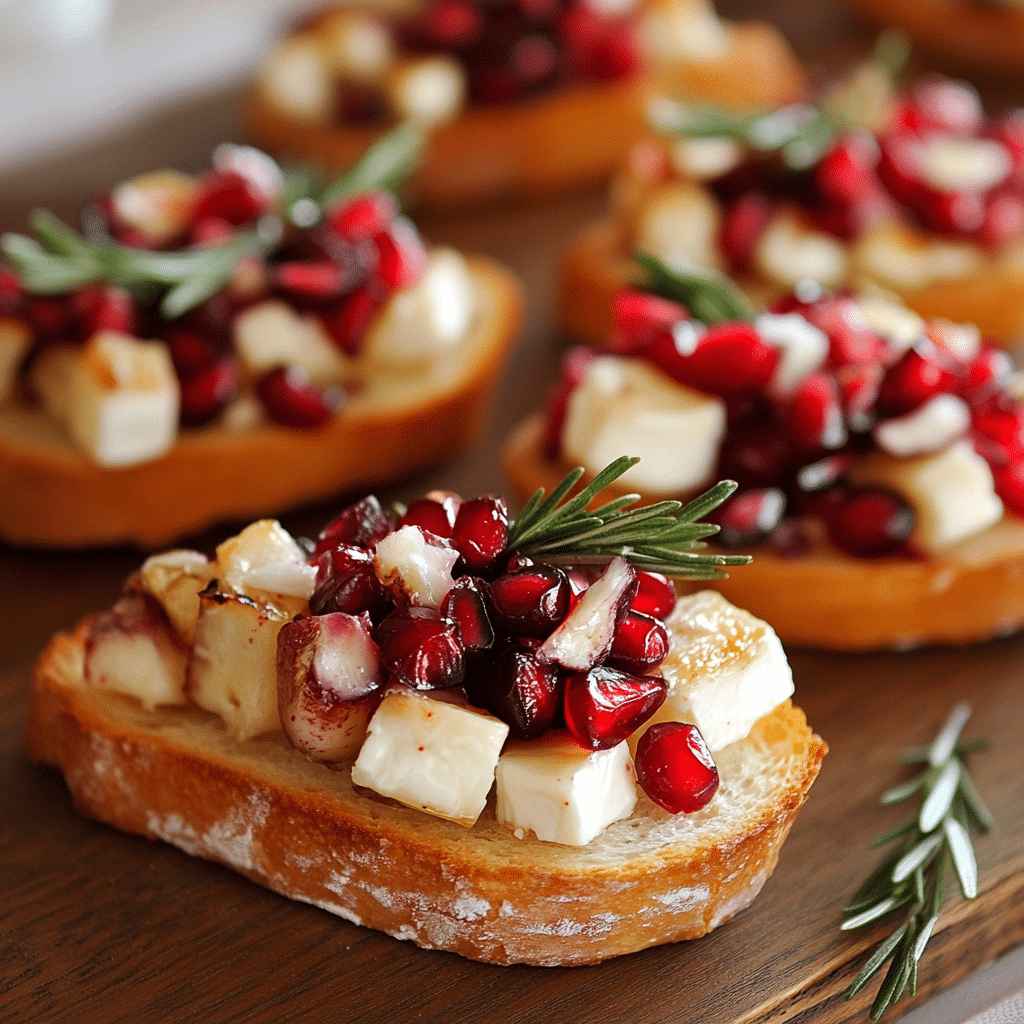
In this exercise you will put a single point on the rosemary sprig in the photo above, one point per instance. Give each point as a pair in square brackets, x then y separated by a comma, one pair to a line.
[709, 297]
[913, 875]
[665, 537]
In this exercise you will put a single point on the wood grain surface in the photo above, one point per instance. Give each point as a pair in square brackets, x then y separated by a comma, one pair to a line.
[100, 926]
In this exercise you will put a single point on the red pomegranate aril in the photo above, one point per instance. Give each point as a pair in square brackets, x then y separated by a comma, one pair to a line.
[918, 375]
[349, 321]
[618, 52]
[858, 387]
[951, 213]
[211, 231]
[346, 582]
[638, 317]
[450, 23]
[947, 104]
[464, 606]
[190, 352]
[421, 650]
[675, 768]
[813, 416]
[105, 308]
[899, 167]
[748, 517]
[850, 340]
[755, 454]
[531, 601]
[605, 706]
[870, 522]
[401, 256]
[231, 197]
[847, 171]
[655, 595]
[318, 282]
[574, 366]
[480, 532]
[436, 517]
[641, 643]
[293, 400]
[580, 32]
[743, 223]
[534, 61]
[987, 372]
[52, 319]
[826, 472]
[730, 360]
[1003, 219]
[524, 693]
[362, 524]
[999, 433]
[362, 217]
[206, 393]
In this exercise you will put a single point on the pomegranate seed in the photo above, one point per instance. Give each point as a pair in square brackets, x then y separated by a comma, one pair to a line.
[363, 216]
[1009, 481]
[534, 62]
[1003, 219]
[826, 473]
[918, 375]
[743, 223]
[580, 31]
[293, 400]
[730, 360]
[639, 318]
[480, 532]
[951, 213]
[361, 524]
[870, 522]
[747, 518]
[436, 517]
[52, 319]
[451, 23]
[655, 595]
[858, 389]
[813, 415]
[421, 650]
[349, 321]
[755, 454]
[531, 601]
[945, 104]
[850, 339]
[319, 282]
[211, 231]
[105, 308]
[605, 706]
[204, 395]
[464, 607]
[523, 692]
[847, 171]
[618, 52]
[190, 352]
[791, 539]
[401, 256]
[899, 167]
[346, 582]
[675, 768]
[986, 373]
[641, 643]
[231, 197]
[574, 366]
[999, 433]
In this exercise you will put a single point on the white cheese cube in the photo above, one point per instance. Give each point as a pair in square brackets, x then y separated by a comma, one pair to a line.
[157, 204]
[789, 251]
[802, 349]
[174, 579]
[671, 31]
[561, 792]
[951, 491]
[950, 164]
[265, 557]
[901, 327]
[427, 90]
[680, 225]
[413, 569]
[296, 78]
[626, 407]
[931, 426]
[123, 400]
[431, 754]
[705, 158]
[895, 254]
[358, 46]
[726, 669]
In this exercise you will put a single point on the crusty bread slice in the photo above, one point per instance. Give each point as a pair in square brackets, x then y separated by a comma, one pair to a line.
[304, 830]
[832, 600]
[392, 427]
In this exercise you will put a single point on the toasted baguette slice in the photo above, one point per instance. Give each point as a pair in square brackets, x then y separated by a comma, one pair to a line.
[832, 600]
[305, 831]
[394, 426]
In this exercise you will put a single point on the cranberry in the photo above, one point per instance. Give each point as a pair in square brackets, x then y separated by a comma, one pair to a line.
[346, 582]
[348, 322]
[362, 217]
[675, 768]
[531, 601]
[465, 608]
[655, 594]
[641, 643]
[523, 692]
[293, 400]
[749, 517]
[605, 705]
[436, 517]
[574, 367]
[480, 532]
[743, 223]
[362, 524]
[421, 650]
[870, 522]
[206, 393]
[919, 374]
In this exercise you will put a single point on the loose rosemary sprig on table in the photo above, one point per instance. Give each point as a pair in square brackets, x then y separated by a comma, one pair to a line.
[664, 537]
[60, 260]
[708, 297]
[913, 874]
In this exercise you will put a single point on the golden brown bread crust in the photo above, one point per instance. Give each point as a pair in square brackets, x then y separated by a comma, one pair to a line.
[55, 497]
[566, 140]
[828, 599]
[596, 265]
[305, 831]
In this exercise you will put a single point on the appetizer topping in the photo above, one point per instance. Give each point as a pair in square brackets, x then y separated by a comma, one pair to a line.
[262, 296]
[675, 767]
[899, 435]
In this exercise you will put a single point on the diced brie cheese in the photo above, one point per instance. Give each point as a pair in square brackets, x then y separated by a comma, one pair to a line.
[431, 754]
[789, 251]
[15, 340]
[157, 204]
[802, 349]
[427, 90]
[415, 570]
[931, 426]
[296, 78]
[419, 322]
[690, 31]
[725, 670]
[894, 254]
[705, 158]
[174, 579]
[123, 398]
[626, 407]
[680, 224]
[951, 491]
[358, 46]
[265, 557]
[272, 333]
[561, 792]
[901, 327]
[951, 164]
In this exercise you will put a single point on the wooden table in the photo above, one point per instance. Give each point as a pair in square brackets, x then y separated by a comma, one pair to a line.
[102, 926]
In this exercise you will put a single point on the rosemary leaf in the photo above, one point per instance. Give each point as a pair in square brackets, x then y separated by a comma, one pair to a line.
[938, 802]
[710, 298]
[385, 165]
[917, 856]
[898, 794]
[962, 852]
[945, 742]
[884, 951]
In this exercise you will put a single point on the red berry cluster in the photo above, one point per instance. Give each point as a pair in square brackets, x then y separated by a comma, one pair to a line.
[492, 633]
[790, 451]
[340, 271]
[864, 178]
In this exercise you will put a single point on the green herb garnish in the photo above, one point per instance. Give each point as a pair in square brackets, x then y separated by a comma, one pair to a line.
[664, 537]
[708, 297]
[913, 874]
